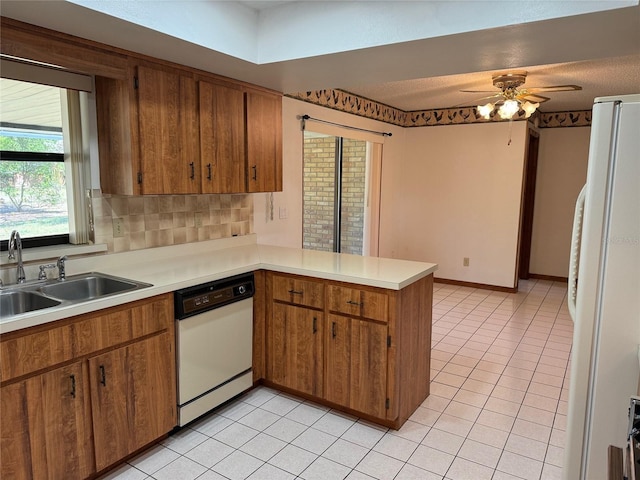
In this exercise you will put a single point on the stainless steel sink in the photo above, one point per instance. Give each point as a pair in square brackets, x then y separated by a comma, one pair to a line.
[89, 286]
[37, 295]
[16, 302]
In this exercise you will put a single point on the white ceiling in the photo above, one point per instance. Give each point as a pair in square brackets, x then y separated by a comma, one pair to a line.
[411, 62]
[598, 78]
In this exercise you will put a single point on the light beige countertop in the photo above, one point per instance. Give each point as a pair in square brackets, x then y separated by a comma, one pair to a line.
[179, 266]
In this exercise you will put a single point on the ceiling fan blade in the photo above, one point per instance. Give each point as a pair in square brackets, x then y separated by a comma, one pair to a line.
[479, 91]
[532, 97]
[478, 101]
[553, 88]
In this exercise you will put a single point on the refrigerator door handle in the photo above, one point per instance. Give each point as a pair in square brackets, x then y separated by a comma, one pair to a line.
[574, 257]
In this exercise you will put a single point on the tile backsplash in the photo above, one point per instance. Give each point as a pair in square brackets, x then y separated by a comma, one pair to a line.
[126, 223]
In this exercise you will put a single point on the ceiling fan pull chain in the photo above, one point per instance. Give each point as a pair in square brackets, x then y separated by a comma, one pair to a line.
[510, 128]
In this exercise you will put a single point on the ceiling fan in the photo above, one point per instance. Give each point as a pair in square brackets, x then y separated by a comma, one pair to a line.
[513, 96]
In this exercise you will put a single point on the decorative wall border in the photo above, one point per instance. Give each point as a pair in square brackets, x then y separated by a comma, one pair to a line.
[364, 107]
[578, 118]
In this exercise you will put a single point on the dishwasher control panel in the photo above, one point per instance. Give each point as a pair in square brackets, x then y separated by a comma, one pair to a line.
[207, 296]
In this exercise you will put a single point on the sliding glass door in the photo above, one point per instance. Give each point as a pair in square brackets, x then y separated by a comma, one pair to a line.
[340, 194]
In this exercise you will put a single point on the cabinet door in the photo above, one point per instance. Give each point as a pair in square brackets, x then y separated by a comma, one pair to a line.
[168, 129]
[338, 353]
[264, 142]
[368, 367]
[133, 397]
[295, 348]
[46, 426]
[222, 154]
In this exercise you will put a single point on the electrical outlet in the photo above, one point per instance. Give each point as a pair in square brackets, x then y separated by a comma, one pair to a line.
[118, 227]
[465, 262]
[283, 213]
[197, 217]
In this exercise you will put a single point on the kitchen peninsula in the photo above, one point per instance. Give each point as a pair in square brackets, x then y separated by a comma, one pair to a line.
[351, 332]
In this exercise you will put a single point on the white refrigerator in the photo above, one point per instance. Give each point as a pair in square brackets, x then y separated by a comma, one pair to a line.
[604, 291]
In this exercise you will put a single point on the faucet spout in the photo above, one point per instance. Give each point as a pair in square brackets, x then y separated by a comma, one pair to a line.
[15, 245]
[60, 264]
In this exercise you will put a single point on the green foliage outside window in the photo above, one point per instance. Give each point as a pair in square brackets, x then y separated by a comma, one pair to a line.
[32, 194]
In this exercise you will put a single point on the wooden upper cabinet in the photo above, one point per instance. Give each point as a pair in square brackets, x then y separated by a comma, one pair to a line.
[168, 131]
[222, 141]
[264, 142]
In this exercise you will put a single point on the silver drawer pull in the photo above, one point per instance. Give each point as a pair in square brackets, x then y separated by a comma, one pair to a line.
[351, 302]
[296, 292]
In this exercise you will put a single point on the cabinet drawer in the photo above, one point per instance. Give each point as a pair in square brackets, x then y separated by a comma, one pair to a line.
[358, 303]
[298, 291]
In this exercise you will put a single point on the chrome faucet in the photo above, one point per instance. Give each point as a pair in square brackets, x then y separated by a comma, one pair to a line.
[15, 243]
[60, 264]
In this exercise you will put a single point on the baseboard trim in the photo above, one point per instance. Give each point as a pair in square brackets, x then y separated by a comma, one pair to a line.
[553, 278]
[482, 286]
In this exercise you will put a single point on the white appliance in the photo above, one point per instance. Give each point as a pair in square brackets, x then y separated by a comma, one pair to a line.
[604, 290]
[214, 337]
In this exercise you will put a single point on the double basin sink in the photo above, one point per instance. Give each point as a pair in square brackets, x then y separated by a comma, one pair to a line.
[23, 298]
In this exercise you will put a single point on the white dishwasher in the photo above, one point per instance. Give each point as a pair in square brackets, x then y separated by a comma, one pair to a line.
[214, 335]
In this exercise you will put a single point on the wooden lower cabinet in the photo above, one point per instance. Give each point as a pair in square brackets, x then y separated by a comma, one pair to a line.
[132, 398]
[295, 340]
[356, 373]
[45, 423]
[370, 350]
[114, 393]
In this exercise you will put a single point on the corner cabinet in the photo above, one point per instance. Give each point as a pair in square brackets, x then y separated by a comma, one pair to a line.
[81, 394]
[362, 349]
[264, 142]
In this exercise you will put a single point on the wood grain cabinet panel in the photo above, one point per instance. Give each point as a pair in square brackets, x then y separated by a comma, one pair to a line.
[168, 131]
[298, 291]
[294, 336]
[358, 302]
[264, 142]
[356, 373]
[132, 398]
[375, 344]
[368, 368]
[46, 426]
[84, 392]
[222, 139]
[338, 355]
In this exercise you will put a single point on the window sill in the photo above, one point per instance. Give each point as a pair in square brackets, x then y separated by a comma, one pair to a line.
[54, 251]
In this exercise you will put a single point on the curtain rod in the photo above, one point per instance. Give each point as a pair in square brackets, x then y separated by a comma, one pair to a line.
[304, 118]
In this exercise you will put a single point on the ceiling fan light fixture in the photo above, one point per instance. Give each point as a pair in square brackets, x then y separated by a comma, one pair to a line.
[485, 110]
[529, 108]
[508, 109]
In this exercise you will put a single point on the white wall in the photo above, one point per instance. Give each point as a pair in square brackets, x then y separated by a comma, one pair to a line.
[448, 192]
[457, 193]
[562, 171]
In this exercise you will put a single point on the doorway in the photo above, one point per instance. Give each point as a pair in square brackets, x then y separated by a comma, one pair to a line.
[341, 190]
[528, 202]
